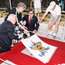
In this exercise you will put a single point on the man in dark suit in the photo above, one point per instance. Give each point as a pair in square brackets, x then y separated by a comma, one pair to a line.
[32, 23]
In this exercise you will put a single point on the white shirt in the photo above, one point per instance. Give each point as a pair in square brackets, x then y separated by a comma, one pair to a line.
[37, 4]
[55, 12]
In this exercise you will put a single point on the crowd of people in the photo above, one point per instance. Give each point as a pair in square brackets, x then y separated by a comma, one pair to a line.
[28, 25]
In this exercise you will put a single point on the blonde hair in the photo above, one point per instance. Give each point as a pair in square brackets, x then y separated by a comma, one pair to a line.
[21, 4]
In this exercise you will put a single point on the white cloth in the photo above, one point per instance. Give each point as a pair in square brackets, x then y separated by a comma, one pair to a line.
[54, 9]
[37, 5]
[55, 13]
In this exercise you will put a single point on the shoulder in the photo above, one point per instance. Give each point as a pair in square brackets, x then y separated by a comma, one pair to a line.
[58, 7]
[12, 18]
[34, 16]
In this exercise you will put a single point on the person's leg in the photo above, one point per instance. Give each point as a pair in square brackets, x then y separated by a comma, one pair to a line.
[51, 23]
[57, 22]
[50, 27]
[57, 26]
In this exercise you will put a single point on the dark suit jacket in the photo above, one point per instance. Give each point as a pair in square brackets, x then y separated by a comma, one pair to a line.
[33, 24]
[6, 35]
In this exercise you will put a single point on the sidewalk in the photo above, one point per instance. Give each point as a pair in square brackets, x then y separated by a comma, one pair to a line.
[43, 31]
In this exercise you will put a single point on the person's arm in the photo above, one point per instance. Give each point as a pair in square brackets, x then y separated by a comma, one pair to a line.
[44, 15]
[46, 12]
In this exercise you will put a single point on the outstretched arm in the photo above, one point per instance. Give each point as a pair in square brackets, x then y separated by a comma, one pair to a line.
[43, 17]
[46, 12]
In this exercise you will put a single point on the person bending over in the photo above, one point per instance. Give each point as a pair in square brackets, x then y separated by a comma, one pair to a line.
[55, 16]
